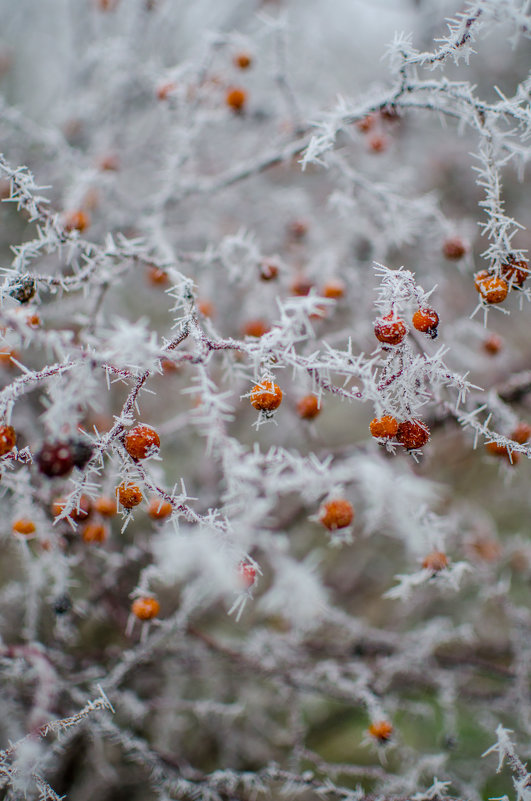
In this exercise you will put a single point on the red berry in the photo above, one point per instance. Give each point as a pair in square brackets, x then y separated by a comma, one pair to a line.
[337, 513]
[142, 441]
[521, 433]
[7, 439]
[255, 328]
[55, 459]
[515, 272]
[493, 344]
[426, 320]
[454, 248]
[301, 285]
[413, 434]
[247, 574]
[77, 221]
[384, 427]
[268, 271]
[266, 396]
[390, 329]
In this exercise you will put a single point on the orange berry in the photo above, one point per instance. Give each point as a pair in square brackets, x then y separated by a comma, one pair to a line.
[105, 506]
[169, 366]
[107, 5]
[334, 289]
[142, 441]
[493, 289]
[521, 433]
[301, 285]
[480, 277]
[378, 143]
[384, 427]
[77, 515]
[255, 328]
[156, 276]
[268, 271]
[381, 730]
[129, 495]
[145, 608]
[77, 220]
[164, 90]
[6, 358]
[94, 533]
[413, 434]
[109, 163]
[435, 561]
[24, 526]
[503, 452]
[33, 320]
[206, 308]
[337, 513]
[515, 272]
[308, 407]
[493, 344]
[243, 61]
[159, 509]
[266, 396]
[366, 123]
[236, 99]
[390, 329]
[247, 574]
[8, 439]
[486, 549]
[454, 248]
[426, 320]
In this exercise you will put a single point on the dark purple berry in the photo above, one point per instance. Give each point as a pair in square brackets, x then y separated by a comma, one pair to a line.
[81, 452]
[62, 604]
[23, 288]
[55, 459]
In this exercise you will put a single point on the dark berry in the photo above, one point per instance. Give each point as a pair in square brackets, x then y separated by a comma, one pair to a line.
[23, 288]
[62, 604]
[81, 451]
[55, 459]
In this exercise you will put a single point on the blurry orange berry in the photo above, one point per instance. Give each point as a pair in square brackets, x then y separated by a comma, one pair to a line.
[435, 561]
[105, 506]
[381, 730]
[6, 358]
[412, 434]
[390, 329]
[378, 143]
[493, 289]
[33, 320]
[8, 439]
[145, 608]
[268, 271]
[159, 509]
[236, 99]
[24, 526]
[493, 344]
[206, 308]
[109, 163]
[107, 5]
[301, 285]
[164, 90]
[485, 548]
[256, 328]
[454, 248]
[385, 427]
[426, 320]
[77, 515]
[266, 396]
[521, 433]
[247, 574]
[334, 288]
[337, 513]
[503, 452]
[129, 495]
[297, 229]
[169, 366]
[308, 407]
[77, 221]
[94, 533]
[243, 61]
[366, 123]
[141, 441]
[156, 276]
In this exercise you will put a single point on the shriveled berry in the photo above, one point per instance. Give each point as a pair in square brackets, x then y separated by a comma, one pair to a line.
[62, 604]
[381, 730]
[105, 506]
[412, 434]
[82, 452]
[454, 248]
[23, 288]
[493, 289]
[236, 98]
[129, 495]
[308, 407]
[24, 526]
[246, 574]
[159, 509]
[390, 329]
[8, 439]
[521, 433]
[337, 513]
[266, 396]
[145, 608]
[384, 427]
[94, 533]
[515, 271]
[435, 561]
[55, 459]
[426, 320]
[142, 441]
